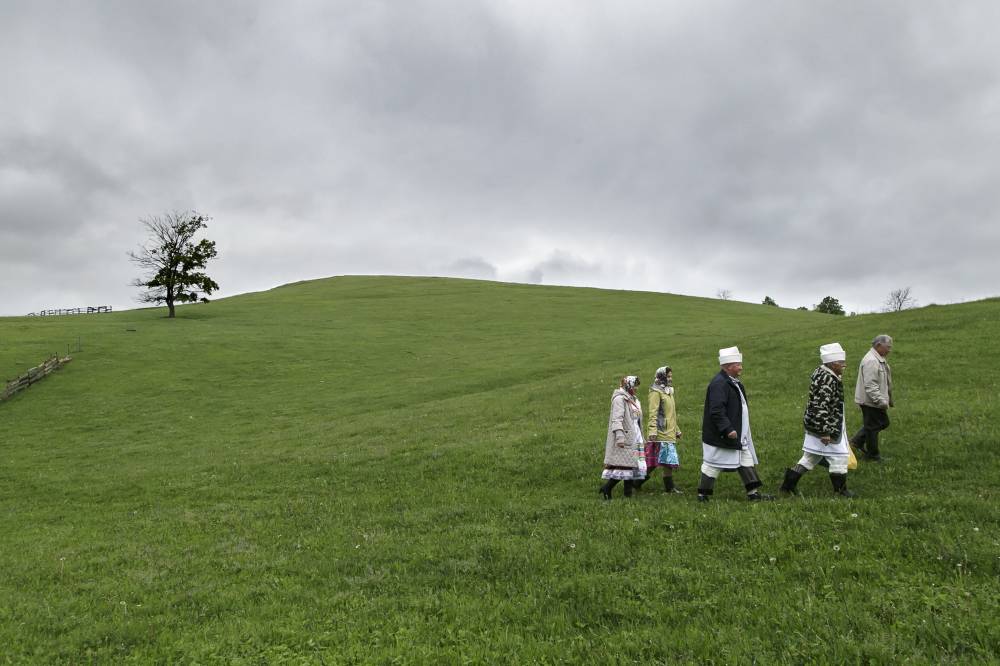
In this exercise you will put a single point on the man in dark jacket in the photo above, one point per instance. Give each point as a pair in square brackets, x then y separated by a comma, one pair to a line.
[727, 444]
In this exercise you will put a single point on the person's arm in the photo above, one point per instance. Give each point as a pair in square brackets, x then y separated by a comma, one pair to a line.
[654, 408]
[717, 395]
[618, 420]
[671, 417]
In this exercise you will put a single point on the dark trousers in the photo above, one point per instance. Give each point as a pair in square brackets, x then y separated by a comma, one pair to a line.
[875, 421]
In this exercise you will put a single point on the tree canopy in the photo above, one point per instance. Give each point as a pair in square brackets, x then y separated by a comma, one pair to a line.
[173, 261]
[830, 305]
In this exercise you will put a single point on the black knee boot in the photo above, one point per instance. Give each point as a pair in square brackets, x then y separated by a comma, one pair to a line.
[606, 488]
[752, 483]
[705, 487]
[840, 485]
[628, 485]
[792, 476]
[669, 487]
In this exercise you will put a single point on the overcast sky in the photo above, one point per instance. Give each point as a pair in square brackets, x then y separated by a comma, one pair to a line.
[791, 149]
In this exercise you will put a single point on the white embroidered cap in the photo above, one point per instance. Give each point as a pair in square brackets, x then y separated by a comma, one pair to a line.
[730, 355]
[832, 352]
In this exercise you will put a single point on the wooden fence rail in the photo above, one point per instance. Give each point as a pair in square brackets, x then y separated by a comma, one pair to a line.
[33, 375]
[98, 309]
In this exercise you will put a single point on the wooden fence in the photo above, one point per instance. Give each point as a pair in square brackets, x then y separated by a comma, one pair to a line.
[99, 309]
[33, 375]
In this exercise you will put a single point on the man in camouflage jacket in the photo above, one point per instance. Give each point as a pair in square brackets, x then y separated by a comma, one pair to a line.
[825, 437]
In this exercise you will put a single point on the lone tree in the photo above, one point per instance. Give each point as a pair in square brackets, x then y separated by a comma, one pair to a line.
[173, 262]
[899, 299]
[724, 294]
[769, 301]
[830, 305]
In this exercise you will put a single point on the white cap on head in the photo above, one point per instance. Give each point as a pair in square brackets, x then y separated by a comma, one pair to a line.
[832, 352]
[730, 355]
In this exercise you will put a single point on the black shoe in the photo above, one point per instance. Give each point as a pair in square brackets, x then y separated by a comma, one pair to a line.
[846, 493]
[875, 458]
[759, 497]
[703, 498]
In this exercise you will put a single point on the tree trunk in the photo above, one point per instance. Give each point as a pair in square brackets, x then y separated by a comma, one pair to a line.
[170, 308]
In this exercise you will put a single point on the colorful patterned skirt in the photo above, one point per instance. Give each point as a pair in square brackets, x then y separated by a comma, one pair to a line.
[662, 454]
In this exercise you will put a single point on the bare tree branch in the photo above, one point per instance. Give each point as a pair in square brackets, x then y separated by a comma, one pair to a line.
[898, 300]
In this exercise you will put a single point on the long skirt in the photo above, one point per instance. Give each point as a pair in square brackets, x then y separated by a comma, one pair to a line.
[661, 454]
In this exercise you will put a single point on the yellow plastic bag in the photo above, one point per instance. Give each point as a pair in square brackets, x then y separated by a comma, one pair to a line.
[852, 462]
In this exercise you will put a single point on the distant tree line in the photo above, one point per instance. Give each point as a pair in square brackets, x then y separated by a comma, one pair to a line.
[898, 299]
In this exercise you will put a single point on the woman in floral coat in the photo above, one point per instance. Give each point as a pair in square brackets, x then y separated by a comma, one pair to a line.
[624, 458]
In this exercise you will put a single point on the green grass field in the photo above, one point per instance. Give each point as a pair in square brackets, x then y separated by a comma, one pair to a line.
[400, 470]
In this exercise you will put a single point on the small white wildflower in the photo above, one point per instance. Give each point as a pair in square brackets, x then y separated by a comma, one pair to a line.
[357, 545]
[572, 545]
[772, 560]
[836, 547]
[854, 515]
[959, 565]
[975, 529]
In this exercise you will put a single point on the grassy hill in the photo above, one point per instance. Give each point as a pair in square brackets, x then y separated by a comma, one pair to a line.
[369, 469]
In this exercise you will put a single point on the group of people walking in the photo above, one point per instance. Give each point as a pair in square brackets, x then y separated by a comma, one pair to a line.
[635, 448]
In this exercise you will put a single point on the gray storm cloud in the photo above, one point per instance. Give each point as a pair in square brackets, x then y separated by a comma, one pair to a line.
[781, 148]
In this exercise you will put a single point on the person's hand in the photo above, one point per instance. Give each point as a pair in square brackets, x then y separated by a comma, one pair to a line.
[732, 434]
[619, 439]
[825, 439]
[679, 434]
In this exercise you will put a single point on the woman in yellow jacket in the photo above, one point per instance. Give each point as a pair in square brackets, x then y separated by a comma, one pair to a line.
[662, 432]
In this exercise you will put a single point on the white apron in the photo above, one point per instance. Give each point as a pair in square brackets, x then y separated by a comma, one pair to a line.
[813, 444]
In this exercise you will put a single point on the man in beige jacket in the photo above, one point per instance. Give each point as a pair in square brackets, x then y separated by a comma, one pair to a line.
[873, 393]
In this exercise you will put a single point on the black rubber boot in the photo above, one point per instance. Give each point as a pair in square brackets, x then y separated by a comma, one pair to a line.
[628, 485]
[753, 483]
[705, 487]
[607, 487]
[791, 481]
[669, 487]
[839, 482]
